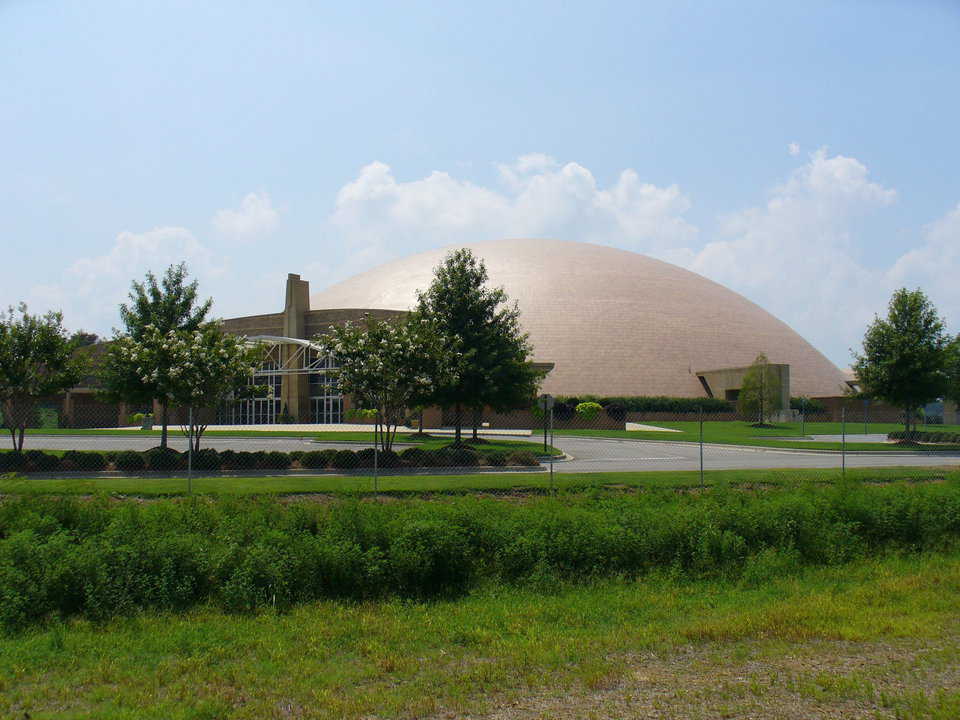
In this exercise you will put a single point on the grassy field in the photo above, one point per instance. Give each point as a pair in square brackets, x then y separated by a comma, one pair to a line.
[874, 638]
[742, 433]
[510, 483]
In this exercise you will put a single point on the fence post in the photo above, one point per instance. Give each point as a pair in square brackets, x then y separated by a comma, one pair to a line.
[803, 407]
[700, 414]
[551, 449]
[190, 451]
[843, 443]
[376, 455]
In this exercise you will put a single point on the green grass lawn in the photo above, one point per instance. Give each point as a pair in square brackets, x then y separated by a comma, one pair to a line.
[742, 433]
[871, 638]
[515, 482]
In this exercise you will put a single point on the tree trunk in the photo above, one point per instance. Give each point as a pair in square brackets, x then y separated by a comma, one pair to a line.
[163, 423]
[458, 422]
[20, 442]
[420, 423]
[477, 416]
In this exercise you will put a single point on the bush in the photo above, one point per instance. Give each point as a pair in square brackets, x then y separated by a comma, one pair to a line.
[495, 459]
[228, 459]
[296, 455]
[925, 436]
[616, 412]
[415, 457]
[161, 460]
[39, 461]
[463, 457]
[588, 410]
[809, 406]
[206, 459]
[389, 459]
[315, 460]
[344, 460]
[522, 457]
[643, 403]
[130, 461]
[63, 557]
[275, 461]
[75, 460]
[10, 461]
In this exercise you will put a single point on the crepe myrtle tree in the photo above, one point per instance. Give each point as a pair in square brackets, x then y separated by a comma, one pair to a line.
[211, 366]
[387, 366]
[37, 359]
[905, 355]
[188, 368]
[156, 308]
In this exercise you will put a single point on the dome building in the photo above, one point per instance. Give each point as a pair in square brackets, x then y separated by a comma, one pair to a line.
[610, 321]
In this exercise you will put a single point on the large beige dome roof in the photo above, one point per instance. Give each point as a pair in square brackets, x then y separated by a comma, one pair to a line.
[613, 322]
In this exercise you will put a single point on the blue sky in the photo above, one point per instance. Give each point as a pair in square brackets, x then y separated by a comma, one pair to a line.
[803, 154]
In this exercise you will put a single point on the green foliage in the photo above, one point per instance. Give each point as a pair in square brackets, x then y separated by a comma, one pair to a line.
[480, 332]
[100, 559]
[809, 406]
[760, 392]
[906, 355]
[925, 436]
[523, 457]
[953, 371]
[387, 366]
[315, 460]
[36, 359]
[170, 304]
[130, 461]
[588, 410]
[76, 461]
[643, 403]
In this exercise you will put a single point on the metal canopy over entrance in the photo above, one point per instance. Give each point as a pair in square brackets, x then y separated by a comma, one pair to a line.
[302, 381]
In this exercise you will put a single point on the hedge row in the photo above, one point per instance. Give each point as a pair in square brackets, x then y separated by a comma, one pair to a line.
[680, 405]
[61, 557]
[208, 459]
[925, 436]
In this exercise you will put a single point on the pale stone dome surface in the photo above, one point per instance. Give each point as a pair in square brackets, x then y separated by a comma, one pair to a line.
[612, 321]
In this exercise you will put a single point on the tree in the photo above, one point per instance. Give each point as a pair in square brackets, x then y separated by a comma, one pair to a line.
[82, 338]
[157, 311]
[760, 392]
[387, 365]
[36, 359]
[482, 330]
[209, 367]
[905, 356]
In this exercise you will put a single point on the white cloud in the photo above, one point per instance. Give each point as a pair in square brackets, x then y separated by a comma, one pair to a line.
[380, 217]
[799, 256]
[91, 288]
[793, 148]
[255, 218]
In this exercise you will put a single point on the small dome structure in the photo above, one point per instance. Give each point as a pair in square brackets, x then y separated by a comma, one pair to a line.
[613, 322]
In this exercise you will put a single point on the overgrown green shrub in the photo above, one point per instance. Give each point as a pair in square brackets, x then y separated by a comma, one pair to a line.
[99, 559]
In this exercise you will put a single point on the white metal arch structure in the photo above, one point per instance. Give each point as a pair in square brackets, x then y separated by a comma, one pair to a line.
[299, 375]
[292, 356]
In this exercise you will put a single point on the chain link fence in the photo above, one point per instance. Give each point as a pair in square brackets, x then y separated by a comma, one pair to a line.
[502, 454]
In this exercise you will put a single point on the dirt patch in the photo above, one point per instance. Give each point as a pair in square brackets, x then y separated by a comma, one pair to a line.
[755, 681]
